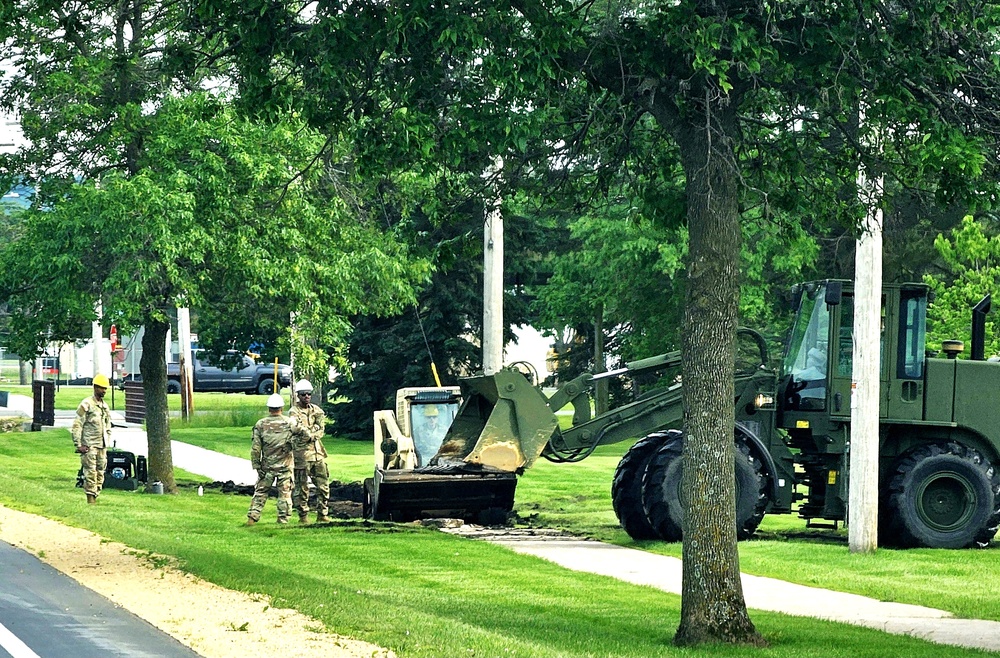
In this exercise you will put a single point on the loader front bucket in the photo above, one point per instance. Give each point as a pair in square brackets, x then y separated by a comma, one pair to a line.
[504, 423]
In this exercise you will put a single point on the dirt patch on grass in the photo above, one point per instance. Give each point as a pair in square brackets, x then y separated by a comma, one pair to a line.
[215, 622]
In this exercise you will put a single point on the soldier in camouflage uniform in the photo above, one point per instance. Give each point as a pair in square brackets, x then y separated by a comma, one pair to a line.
[271, 457]
[91, 434]
[310, 456]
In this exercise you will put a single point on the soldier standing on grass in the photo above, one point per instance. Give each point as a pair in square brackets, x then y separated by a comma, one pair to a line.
[310, 455]
[91, 434]
[271, 457]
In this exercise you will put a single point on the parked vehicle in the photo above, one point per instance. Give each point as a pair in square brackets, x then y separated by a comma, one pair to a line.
[235, 373]
[939, 457]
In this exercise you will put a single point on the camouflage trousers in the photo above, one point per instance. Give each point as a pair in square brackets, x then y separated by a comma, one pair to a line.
[263, 489]
[320, 475]
[93, 462]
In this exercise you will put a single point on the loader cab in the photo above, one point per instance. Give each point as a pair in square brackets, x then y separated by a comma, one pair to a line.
[807, 355]
[817, 369]
[430, 419]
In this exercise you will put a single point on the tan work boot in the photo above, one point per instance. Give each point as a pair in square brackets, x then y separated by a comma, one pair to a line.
[304, 519]
[282, 521]
[322, 518]
[91, 499]
[251, 521]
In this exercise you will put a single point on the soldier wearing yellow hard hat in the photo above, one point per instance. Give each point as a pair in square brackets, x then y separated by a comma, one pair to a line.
[91, 434]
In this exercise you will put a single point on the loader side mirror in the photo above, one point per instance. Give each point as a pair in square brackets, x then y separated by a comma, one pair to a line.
[834, 292]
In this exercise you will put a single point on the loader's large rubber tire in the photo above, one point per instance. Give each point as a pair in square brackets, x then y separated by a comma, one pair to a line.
[661, 491]
[942, 495]
[626, 487]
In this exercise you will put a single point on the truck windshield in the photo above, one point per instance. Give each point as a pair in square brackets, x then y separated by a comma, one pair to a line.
[806, 359]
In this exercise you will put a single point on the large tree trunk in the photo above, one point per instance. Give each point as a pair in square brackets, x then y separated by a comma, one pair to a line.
[712, 604]
[153, 366]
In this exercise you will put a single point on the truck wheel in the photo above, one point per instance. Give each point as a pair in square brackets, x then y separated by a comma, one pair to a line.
[266, 387]
[661, 491]
[173, 386]
[944, 495]
[626, 488]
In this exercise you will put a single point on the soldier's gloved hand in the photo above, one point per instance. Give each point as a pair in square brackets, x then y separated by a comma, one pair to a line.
[82, 449]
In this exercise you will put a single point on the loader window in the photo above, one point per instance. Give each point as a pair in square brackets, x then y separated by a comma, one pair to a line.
[912, 335]
[845, 350]
[807, 357]
[429, 423]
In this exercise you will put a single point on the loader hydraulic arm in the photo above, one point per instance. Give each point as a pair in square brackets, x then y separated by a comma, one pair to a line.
[646, 414]
[655, 410]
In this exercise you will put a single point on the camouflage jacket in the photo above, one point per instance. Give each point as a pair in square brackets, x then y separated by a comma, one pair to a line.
[92, 425]
[271, 449]
[309, 448]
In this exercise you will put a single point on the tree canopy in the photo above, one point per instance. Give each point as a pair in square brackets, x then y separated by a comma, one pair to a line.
[154, 194]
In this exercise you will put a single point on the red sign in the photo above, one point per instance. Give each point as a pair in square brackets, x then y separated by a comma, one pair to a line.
[114, 338]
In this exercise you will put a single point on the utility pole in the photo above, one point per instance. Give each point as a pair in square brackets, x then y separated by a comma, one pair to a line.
[493, 283]
[184, 347]
[97, 337]
[863, 492]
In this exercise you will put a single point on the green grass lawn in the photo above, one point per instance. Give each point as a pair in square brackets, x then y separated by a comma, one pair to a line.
[577, 498]
[424, 593]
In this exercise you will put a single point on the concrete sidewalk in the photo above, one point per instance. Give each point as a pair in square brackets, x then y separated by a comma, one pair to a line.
[639, 567]
[663, 572]
[207, 463]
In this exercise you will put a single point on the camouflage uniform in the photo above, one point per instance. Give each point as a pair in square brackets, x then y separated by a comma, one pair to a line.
[310, 456]
[92, 428]
[271, 457]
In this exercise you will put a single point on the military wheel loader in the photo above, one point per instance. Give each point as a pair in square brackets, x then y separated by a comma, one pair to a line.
[939, 457]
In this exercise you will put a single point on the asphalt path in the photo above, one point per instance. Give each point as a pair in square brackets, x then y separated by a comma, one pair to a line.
[45, 614]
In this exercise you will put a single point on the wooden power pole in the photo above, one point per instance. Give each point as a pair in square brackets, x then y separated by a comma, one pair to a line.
[862, 518]
[493, 284]
[184, 349]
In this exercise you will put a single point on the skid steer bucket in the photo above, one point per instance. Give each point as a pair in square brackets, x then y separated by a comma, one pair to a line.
[504, 423]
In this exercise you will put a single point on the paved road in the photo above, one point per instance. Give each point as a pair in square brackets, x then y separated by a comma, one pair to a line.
[45, 614]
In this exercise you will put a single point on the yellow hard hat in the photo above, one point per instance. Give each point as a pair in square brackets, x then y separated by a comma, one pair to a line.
[102, 381]
[431, 410]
